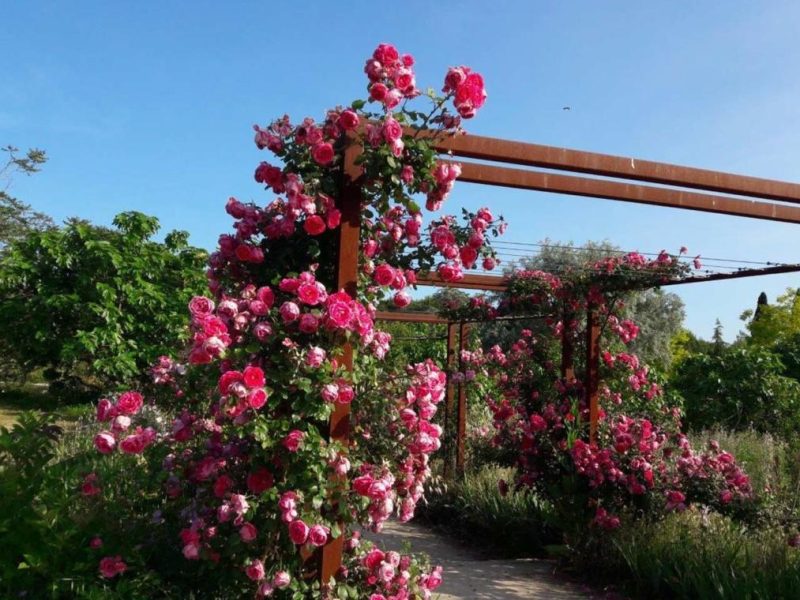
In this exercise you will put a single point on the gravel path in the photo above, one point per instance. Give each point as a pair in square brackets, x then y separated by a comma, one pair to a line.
[468, 577]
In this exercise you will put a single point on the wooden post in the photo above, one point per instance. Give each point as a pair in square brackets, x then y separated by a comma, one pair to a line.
[452, 350]
[349, 203]
[592, 376]
[461, 432]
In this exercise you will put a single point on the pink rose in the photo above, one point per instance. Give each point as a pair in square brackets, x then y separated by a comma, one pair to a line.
[308, 323]
[253, 377]
[315, 357]
[105, 442]
[340, 314]
[289, 312]
[111, 566]
[121, 423]
[129, 403]
[384, 274]
[255, 570]
[248, 532]
[298, 532]
[105, 410]
[257, 398]
[293, 440]
[402, 299]
[314, 225]
[96, 543]
[318, 535]
[281, 580]
[392, 130]
[330, 392]
[262, 331]
[322, 153]
[200, 305]
[378, 91]
[311, 293]
[348, 121]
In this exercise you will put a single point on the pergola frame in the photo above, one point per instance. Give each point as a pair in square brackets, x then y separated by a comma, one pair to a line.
[612, 176]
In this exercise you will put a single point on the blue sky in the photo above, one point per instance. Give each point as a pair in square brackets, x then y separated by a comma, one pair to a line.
[149, 106]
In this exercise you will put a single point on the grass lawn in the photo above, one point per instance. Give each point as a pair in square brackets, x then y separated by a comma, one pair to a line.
[15, 400]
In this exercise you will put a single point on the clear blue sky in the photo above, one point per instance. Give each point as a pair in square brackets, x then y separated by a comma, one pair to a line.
[149, 106]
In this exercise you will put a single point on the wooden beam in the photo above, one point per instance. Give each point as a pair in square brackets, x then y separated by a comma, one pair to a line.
[410, 317]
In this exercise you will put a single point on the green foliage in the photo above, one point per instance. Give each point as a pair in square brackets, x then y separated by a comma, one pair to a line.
[705, 556]
[773, 323]
[516, 524]
[738, 387]
[93, 305]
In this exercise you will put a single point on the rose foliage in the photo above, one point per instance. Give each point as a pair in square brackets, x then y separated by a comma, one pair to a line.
[251, 483]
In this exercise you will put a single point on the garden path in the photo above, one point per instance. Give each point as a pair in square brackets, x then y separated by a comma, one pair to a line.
[467, 576]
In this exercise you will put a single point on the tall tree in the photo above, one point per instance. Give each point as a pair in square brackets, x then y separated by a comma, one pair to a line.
[17, 217]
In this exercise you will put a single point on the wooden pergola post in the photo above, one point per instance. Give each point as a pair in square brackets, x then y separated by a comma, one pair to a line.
[349, 204]
[567, 348]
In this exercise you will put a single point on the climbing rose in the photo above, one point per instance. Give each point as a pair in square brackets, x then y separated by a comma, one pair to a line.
[322, 153]
[298, 532]
[105, 442]
[255, 570]
[314, 225]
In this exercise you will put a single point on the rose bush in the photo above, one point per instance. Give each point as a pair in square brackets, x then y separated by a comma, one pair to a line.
[640, 462]
[251, 482]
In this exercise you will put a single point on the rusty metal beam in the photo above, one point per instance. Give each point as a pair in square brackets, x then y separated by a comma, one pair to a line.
[489, 283]
[776, 270]
[623, 167]
[347, 279]
[452, 355]
[461, 411]
[410, 317]
[626, 192]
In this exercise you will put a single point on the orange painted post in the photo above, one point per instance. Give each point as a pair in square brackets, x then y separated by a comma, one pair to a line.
[592, 377]
[452, 350]
[349, 203]
[461, 432]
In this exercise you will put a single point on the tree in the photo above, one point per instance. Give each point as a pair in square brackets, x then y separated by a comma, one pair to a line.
[16, 217]
[659, 314]
[93, 305]
[772, 323]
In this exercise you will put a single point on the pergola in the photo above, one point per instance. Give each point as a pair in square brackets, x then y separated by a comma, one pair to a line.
[548, 169]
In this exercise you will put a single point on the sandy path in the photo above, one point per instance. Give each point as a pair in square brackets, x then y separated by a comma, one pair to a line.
[468, 577]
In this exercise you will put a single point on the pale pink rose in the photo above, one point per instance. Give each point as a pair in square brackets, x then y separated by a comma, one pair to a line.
[315, 357]
[105, 442]
[298, 532]
[289, 312]
[121, 423]
[318, 535]
[281, 580]
[191, 551]
[330, 392]
[262, 331]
